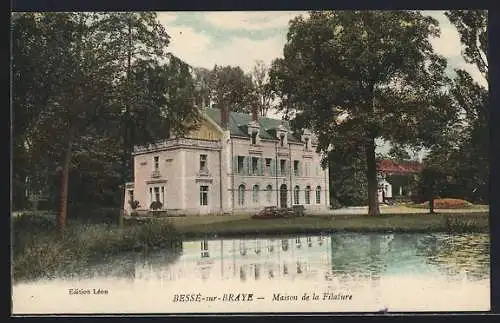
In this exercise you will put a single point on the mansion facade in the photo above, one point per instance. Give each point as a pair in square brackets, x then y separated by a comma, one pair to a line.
[233, 162]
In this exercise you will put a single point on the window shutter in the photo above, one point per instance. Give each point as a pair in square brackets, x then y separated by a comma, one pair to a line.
[262, 164]
[235, 164]
[272, 168]
[300, 169]
[287, 167]
[248, 165]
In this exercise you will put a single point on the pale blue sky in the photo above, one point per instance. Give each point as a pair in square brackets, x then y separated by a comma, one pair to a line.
[239, 38]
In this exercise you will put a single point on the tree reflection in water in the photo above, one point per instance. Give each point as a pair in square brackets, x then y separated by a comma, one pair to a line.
[457, 254]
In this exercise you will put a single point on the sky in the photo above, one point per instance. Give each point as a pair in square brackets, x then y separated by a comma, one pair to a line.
[240, 38]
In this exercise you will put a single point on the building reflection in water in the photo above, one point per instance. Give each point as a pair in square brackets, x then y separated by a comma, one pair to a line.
[243, 248]
[284, 244]
[257, 271]
[336, 257]
[298, 242]
[270, 247]
[257, 246]
[243, 276]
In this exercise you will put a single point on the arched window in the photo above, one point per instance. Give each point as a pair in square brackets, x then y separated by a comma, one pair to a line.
[308, 194]
[269, 193]
[318, 194]
[255, 194]
[241, 195]
[296, 193]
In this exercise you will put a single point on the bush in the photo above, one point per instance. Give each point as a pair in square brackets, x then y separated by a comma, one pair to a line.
[134, 204]
[156, 205]
[273, 212]
[449, 203]
[40, 251]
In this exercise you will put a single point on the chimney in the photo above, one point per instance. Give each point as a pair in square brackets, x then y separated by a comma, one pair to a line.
[224, 117]
[255, 115]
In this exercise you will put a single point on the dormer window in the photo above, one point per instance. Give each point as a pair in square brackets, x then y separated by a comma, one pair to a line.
[254, 138]
[156, 162]
[307, 144]
[282, 140]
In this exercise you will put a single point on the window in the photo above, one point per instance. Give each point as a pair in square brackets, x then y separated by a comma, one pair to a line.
[203, 163]
[156, 162]
[318, 194]
[157, 194]
[282, 140]
[163, 195]
[269, 193]
[203, 195]
[130, 195]
[150, 195]
[307, 144]
[282, 167]
[308, 194]
[268, 166]
[255, 166]
[255, 194]
[241, 195]
[296, 195]
[296, 168]
[254, 138]
[241, 160]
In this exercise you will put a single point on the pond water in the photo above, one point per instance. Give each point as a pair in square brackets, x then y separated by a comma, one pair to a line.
[328, 273]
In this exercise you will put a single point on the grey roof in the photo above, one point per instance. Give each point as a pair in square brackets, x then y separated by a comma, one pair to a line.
[238, 123]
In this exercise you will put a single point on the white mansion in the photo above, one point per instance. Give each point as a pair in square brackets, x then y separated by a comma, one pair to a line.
[233, 162]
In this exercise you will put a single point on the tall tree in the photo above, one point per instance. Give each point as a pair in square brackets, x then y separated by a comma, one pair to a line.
[133, 37]
[371, 73]
[225, 85]
[204, 86]
[465, 146]
[263, 91]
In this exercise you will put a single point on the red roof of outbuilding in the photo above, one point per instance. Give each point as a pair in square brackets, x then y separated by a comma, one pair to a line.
[406, 167]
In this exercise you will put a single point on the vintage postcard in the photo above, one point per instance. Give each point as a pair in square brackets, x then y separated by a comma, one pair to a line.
[250, 162]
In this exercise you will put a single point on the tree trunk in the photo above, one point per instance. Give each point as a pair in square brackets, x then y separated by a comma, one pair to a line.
[63, 211]
[127, 141]
[371, 174]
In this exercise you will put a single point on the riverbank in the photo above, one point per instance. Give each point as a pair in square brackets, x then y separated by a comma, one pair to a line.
[39, 251]
[244, 225]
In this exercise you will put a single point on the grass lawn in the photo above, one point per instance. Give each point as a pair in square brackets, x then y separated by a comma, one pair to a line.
[237, 225]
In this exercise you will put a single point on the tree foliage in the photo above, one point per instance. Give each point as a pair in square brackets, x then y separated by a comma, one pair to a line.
[462, 153]
[472, 26]
[99, 83]
[262, 88]
[225, 86]
[354, 76]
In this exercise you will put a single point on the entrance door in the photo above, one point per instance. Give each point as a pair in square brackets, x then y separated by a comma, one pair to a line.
[283, 196]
